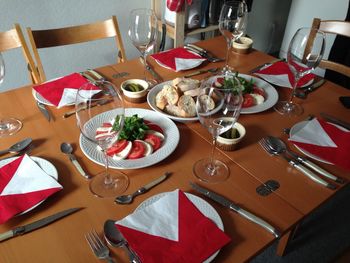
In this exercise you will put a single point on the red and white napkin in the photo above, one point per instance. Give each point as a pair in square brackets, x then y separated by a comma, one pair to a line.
[23, 184]
[172, 229]
[280, 74]
[324, 140]
[178, 59]
[62, 91]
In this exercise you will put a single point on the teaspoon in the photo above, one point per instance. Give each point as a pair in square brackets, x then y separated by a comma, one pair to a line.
[17, 147]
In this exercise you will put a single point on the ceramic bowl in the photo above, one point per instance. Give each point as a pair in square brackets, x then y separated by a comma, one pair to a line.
[243, 46]
[135, 90]
[231, 144]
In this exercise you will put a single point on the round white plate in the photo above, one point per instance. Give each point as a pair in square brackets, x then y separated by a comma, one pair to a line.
[270, 99]
[151, 99]
[296, 127]
[202, 205]
[45, 165]
[171, 133]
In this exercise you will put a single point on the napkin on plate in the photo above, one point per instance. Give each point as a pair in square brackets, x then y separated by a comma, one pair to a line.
[324, 140]
[23, 184]
[280, 74]
[178, 59]
[172, 229]
[62, 91]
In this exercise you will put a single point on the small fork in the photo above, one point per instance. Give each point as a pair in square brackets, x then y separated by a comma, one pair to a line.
[98, 247]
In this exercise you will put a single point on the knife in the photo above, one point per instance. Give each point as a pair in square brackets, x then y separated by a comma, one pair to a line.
[102, 102]
[37, 224]
[149, 69]
[227, 203]
[204, 54]
[97, 75]
[264, 65]
[43, 110]
[335, 120]
[198, 72]
[304, 91]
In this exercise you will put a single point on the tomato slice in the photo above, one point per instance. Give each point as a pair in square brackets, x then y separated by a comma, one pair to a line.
[137, 151]
[155, 127]
[248, 101]
[259, 91]
[219, 82]
[154, 140]
[117, 147]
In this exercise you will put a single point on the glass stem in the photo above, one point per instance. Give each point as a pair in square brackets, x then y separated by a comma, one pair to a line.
[228, 42]
[144, 55]
[296, 80]
[211, 167]
[108, 180]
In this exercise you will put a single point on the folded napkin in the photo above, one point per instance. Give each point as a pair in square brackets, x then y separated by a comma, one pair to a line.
[62, 91]
[324, 140]
[178, 59]
[23, 184]
[280, 74]
[172, 229]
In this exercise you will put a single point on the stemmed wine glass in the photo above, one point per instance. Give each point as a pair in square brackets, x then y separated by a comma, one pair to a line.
[232, 25]
[8, 126]
[303, 56]
[101, 123]
[217, 109]
[143, 33]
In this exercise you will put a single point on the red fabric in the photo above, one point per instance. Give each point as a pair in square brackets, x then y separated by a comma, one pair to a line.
[53, 90]
[176, 5]
[337, 155]
[167, 58]
[282, 67]
[199, 238]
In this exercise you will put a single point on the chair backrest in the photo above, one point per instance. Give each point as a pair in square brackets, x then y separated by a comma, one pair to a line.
[337, 27]
[14, 38]
[74, 35]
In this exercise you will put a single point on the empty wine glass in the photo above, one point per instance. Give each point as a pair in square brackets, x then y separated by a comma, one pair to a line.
[8, 126]
[143, 33]
[101, 123]
[217, 109]
[303, 56]
[232, 25]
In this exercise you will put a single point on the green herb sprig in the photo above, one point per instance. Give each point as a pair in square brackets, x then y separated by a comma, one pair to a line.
[134, 128]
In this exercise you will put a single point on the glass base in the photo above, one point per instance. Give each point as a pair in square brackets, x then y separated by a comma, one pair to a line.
[204, 171]
[289, 109]
[119, 183]
[9, 126]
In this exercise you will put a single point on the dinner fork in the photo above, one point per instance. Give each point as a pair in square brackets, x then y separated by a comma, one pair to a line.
[100, 250]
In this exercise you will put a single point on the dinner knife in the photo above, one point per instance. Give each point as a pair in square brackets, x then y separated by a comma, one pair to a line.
[43, 110]
[335, 120]
[264, 65]
[20, 230]
[203, 54]
[150, 70]
[102, 102]
[229, 204]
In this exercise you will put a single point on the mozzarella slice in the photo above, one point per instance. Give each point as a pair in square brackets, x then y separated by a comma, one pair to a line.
[148, 147]
[124, 153]
[258, 98]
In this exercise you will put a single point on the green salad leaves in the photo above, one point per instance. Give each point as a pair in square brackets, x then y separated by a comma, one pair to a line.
[134, 128]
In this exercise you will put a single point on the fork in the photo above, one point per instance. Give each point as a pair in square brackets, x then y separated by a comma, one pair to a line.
[100, 250]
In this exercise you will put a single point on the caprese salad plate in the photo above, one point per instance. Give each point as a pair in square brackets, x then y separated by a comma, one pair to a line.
[161, 139]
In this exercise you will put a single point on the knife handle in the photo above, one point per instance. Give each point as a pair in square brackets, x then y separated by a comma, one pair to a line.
[318, 169]
[157, 181]
[69, 113]
[6, 235]
[259, 221]
[78, 166]
[197, 48]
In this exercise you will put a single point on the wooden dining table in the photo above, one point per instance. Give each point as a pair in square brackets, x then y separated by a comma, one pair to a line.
[250, 167]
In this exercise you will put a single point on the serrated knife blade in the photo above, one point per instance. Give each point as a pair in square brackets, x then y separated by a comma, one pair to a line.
[37, 224]
[229, 204]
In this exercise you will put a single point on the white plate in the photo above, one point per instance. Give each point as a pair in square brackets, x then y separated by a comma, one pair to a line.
[151, 99]
[202, 205]
[171, 133]
[271, 96]
[45, 165]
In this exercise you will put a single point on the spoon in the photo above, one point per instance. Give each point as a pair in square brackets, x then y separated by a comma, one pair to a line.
[116, 239]
[17, 147]
[68, 149]
[127, 199]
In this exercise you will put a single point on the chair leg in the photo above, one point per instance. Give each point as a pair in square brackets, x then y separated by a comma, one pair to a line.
[283, 242]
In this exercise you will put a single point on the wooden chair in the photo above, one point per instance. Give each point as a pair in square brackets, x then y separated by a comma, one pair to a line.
[14, 38]
[74, 35]
[333, 27]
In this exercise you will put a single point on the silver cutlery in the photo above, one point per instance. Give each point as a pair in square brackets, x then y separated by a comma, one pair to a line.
[198, 72]
[264, 65]
[100, 250]
[335, 120]
[302, 93]
[37, 224]
[294, 163]
[18, 146]
[231, 205]
[203, 53]
[115, 238]
[100, 103]
[127, 199]
[97, 75]
[149, 69]
[44, 110]
[68, 149]
[26, 150]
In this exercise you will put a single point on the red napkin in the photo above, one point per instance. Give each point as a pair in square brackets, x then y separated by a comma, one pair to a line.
[57, 91]
[282, 68]
[198, 237]
[338, 155]
[178, 59]
[23, 184]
